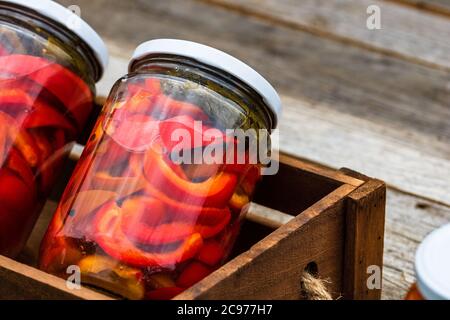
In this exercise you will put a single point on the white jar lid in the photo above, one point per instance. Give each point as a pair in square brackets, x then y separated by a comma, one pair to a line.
[433, 265]
[73, 22]
[217, 59]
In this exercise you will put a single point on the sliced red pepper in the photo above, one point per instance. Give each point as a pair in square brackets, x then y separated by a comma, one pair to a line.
[20, 139]
[211, 253]
[183, 132]
[136, 133]
[209, 231]
[193, 273]
[16, 102]
[46, 167]
[18, 164]
[14, 193]
[163, 293]
[203, 215]
[71, 90]
[45, 116]
[214, 192]
[113, 241]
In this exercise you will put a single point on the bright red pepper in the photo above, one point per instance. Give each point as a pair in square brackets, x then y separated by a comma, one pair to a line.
[110, 237]
[199, 214]
[3, 50]
[42, 115]
[18, 164]
[45, 170]
[192, 274]
[184, 132]
[20, 139]
[15, 195]
[72, 91]
[145, 220]
[214, 192]
[211, 253]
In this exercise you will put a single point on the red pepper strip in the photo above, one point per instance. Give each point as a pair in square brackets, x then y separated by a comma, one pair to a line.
[20, 139]
[203, 215]
[183, 132]
[146, 210]
[157, 235]
[45, 116]
[211, 253]
[71, 90]
[113, 241]
[14, 193]
[163, 293]
[18, 164]
[16, 102]
[136, 133]
[214, 192]
[46, 166]
[192, 274]
[111, 154]
[208, 231]
[144, 223]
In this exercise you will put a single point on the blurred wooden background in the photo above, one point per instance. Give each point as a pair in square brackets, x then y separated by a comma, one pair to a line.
[376, 101]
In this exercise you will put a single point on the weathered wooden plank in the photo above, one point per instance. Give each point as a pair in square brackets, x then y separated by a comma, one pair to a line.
[436, 6]
[405, 32]
[20, 281]
[402, 159]
[409, 219]
[364, 236]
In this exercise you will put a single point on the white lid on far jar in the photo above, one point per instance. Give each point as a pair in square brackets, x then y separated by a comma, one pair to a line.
[433, 265]
[71, 21]
[217, 59]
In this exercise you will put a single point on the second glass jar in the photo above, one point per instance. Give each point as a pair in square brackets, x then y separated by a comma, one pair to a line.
[135, 219]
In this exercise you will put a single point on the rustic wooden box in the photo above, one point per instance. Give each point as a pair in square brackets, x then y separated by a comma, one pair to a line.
[335, 226]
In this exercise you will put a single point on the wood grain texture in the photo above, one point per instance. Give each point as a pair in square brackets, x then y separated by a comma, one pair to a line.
[405, 32]
[409, 220]
[364, 237]
[435, 6]
[313, 236]
[20, 281]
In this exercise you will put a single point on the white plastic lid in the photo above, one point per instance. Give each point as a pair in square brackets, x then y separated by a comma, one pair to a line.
[433, 265]
[73, 22]
[217, 59]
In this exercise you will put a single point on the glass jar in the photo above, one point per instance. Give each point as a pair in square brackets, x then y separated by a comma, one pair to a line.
[149, 211]
[432, 267]
[47, 84]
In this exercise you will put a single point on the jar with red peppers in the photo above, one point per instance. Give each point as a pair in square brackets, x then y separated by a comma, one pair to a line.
[49, 62]
[433, 267]
[156, 201]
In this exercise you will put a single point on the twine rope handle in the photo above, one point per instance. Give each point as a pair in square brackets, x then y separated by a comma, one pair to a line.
[314, 288]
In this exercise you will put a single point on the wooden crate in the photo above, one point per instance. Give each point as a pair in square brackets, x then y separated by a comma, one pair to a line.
[335, 224]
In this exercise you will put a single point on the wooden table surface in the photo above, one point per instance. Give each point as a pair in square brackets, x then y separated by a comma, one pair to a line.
[376, 101]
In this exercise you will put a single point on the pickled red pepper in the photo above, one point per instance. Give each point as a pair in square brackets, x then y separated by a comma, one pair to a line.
[37, 119]
[166, 215]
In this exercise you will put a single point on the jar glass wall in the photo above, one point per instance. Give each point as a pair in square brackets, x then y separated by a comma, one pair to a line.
[47, 78]
[141, 217]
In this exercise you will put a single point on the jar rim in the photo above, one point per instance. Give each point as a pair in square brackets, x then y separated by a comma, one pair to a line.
[73, 23]
[217, 59]
[432, 265]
